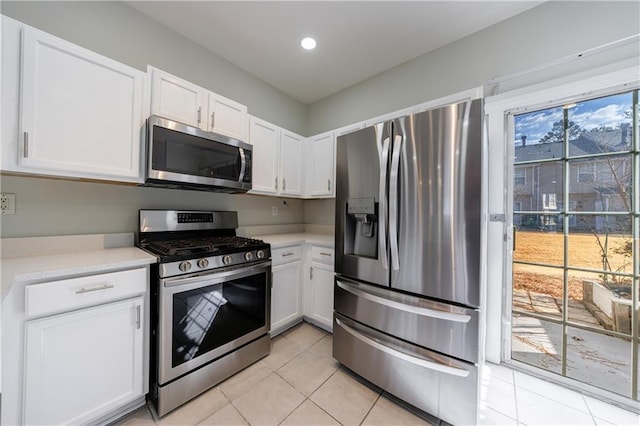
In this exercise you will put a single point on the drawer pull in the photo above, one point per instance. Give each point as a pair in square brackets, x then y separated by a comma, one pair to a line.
[138, 317]
[287, 254]
[325, 254]
[96, 288]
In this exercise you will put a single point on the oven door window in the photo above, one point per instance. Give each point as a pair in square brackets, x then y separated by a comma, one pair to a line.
[209, 317]
[182, 153]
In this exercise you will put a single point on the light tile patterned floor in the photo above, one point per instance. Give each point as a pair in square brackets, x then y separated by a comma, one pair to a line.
[300, 383]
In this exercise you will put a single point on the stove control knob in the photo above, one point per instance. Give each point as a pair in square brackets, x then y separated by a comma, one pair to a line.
[260, 254]
[226, 260]
[184, 266]
[248, 256]
[202, 263]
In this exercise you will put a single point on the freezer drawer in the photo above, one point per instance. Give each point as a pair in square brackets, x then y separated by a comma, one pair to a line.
[434, 383]
[445, 328]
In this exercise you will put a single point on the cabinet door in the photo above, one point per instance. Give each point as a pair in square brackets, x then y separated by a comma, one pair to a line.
[81, 365]
[321, 294]
[265, 138]
[227, 117]
[286, 295]
[81, 113]
[291, 163]
[321, 165]
[178, 99]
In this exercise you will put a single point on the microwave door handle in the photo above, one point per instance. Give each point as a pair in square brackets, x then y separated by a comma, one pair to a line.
[243, 164]
[383, 155]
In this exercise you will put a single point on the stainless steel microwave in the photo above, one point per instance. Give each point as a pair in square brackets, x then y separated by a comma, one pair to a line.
[183, 156]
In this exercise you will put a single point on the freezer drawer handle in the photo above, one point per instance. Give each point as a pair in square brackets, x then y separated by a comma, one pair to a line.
[425, 312]
[432, 365]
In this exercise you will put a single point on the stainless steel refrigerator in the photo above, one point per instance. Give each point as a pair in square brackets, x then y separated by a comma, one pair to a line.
[409, 231]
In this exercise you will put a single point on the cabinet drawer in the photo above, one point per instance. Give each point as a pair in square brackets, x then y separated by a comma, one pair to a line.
[75, 293]
[322, 254]
[285, 255]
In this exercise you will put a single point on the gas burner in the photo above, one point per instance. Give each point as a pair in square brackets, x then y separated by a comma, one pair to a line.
[195, 241]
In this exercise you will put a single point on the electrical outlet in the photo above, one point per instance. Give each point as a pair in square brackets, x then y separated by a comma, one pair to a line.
[274, 211]
[7, 203]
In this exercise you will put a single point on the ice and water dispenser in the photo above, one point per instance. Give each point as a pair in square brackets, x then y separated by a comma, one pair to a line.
[361, 227]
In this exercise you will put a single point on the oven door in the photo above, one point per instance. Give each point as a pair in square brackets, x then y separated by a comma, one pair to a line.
[185, 156]
[205, 316]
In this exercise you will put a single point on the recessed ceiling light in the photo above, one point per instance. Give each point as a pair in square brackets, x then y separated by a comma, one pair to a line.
[308, 43]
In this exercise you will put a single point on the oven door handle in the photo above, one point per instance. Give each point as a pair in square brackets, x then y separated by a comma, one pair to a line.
[217, 276]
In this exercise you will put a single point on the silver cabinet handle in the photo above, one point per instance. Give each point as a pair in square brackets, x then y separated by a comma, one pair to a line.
[329, 184]
[425, 312]
[383, 155]
[25, 146]
[393, 202]
[276, 184]
[138, 317]
[325, 254]
[311, 273]
[96, 288]
[284, 184]
[213, 120]
[199, 115]
[422, 362]
[287, 254]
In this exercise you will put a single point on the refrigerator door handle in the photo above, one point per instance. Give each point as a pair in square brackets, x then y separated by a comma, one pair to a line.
[419, 361]
[393, 202]
[383, 155]
[419, 310]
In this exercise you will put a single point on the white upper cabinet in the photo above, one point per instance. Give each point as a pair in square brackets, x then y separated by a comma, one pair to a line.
[81, 114]
[291, 163]
[227, 117]
[176, 99]
[188, 103]
[265, 138]
[277, 157]
[321, 165]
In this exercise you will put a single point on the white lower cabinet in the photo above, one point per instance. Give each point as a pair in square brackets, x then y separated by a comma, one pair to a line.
[286, 292]
[302, 287]
[81, 365]
[319, 288]
[85, 356]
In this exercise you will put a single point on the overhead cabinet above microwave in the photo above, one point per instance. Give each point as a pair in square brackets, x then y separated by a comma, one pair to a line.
[180, 100]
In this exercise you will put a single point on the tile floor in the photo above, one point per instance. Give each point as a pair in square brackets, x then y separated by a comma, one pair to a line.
[300, 383]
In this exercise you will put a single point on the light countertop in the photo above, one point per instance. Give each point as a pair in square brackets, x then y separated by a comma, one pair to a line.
[284, 240]
[36, 266]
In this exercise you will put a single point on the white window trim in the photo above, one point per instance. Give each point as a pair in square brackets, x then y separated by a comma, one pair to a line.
[500, 182]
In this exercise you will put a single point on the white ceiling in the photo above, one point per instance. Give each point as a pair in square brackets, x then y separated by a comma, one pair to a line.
[356, 39]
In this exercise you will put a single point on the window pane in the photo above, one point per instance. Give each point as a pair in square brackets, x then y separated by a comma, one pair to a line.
[536, 342]
[539, 135]
[539, 239]
[601, 242]
[601, 125]
[602, 184]
[537, 289]
[599, 360]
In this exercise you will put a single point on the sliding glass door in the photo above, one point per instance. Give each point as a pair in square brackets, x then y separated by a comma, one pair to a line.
[576, 225]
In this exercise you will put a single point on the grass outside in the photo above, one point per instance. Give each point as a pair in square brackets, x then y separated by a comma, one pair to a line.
[583, 251]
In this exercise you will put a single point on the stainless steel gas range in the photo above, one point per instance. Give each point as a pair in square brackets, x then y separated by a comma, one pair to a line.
[210, 301]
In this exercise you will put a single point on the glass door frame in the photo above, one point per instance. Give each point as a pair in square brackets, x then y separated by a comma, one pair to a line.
[564, 321]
